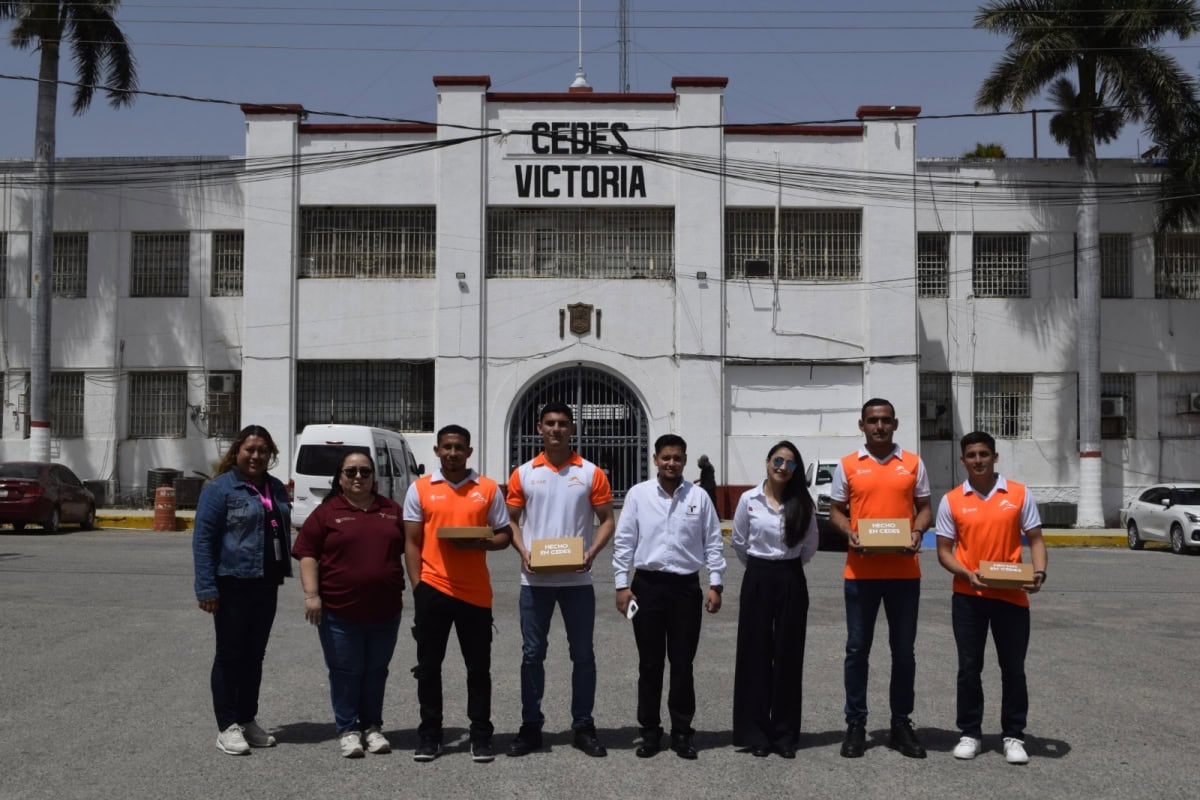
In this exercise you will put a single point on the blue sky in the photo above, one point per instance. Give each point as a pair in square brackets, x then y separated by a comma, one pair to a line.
[786, 61]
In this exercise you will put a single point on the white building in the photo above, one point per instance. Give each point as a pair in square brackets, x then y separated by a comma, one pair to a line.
[629, 253]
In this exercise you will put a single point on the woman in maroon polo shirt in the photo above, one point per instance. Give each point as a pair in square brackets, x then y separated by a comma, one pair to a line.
[350, 552]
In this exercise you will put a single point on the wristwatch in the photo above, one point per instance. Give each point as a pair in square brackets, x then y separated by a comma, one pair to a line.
[1041, 572]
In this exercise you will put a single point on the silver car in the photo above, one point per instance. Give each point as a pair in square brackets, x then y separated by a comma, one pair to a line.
[1166, 512]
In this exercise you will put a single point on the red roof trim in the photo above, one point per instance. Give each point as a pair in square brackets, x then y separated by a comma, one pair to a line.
[252, 109]
[581, 97]
[699, 81]
[382, 127]
[462, 80]
[888, 112]
[796, 130]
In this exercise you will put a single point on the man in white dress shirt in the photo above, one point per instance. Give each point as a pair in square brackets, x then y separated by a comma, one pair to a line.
[667, 531]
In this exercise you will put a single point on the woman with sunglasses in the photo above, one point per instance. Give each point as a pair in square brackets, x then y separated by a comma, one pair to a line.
[350, 552]
[239, 548]
[774, 535]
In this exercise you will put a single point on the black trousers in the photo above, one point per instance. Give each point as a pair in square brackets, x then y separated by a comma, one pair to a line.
[971, 617]
[245, 614]
[666, 626]
[434, 612]
[768, 678]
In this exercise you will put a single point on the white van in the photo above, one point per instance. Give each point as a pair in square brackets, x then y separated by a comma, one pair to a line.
[319, 451]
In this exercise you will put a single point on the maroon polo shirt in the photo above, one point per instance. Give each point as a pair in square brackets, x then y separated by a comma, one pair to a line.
[358, 557]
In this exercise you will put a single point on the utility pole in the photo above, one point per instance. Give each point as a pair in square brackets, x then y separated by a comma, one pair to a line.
[623, 26]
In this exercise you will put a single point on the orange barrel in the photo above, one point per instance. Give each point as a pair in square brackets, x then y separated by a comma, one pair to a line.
[164, 508]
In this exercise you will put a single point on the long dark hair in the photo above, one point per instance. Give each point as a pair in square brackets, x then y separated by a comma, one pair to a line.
[797, 502]
[335, 487]
[230, 458]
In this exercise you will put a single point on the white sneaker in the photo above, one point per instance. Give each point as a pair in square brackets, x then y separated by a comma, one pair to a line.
[232, 741]
[351, 744]
[967, 748]
[1014, 751]
[376, 741]
[256, 736]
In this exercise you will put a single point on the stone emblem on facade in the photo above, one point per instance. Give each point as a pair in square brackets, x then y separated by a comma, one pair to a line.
[580, 315]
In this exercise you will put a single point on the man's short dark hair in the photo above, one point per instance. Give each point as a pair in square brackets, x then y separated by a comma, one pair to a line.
[669, 440]
[454, 430]
[556, 408]
[877, 401]
[977, 437]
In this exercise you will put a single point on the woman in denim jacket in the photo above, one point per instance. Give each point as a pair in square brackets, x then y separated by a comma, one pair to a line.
[240, 546]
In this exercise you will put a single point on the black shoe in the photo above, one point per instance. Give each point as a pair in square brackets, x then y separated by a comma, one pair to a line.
[681, 743]
[528, 739]
[586, 741]
[651, 743]
[427, 750]
[785, 750]
[856, 740]
[904, 739]
[760, 751]
[482, 751]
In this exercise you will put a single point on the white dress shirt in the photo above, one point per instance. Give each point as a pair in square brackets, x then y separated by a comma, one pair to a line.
[663, 532]
[758, 530]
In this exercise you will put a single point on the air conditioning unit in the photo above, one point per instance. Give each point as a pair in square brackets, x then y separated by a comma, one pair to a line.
[221, 382]
[1194, 402]
[930, 411]
[757, 268]
[1112, 406]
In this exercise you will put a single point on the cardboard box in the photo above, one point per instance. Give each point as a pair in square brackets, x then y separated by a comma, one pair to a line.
[475, 532]
[885, 535]
[1005, 575]
[547, 556]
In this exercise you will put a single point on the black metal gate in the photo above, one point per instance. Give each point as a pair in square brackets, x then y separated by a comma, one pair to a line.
[611, 427]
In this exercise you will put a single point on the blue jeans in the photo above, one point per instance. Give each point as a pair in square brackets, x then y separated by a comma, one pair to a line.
[578, 606]
[357, 655]
[971, 617]
[901, 598]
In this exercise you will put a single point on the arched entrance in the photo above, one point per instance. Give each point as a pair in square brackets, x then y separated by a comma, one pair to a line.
[611, 426]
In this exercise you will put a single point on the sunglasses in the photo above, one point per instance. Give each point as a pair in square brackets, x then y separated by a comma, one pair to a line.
[357, 472]
[786, 463]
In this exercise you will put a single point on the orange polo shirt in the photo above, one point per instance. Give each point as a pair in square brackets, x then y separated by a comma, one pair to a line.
[987, 529]
[881, 491]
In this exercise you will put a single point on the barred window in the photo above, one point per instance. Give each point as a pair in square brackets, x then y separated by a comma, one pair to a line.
[3, 265]
[1116, 405]
[1004, 405]
[936, 420]
[228, 256]
[160, 264]
[933, 265]
[814, 244]
[1000, 265]
[66, 405]
[581, 243]
[1177, 265]
[1116, 275]
[69, 276]
[157, 405]
[368, 242]
[1179, 404]
[384, 394]
[223, 403]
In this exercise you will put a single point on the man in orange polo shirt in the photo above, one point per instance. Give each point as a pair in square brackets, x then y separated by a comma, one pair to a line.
[982, 520]
[881, 481]
[451, 586]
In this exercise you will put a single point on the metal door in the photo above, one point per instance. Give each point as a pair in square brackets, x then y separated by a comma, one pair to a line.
[611, 427]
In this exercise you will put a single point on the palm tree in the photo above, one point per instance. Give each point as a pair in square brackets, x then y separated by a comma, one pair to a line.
[101, 55]
[1109, 47]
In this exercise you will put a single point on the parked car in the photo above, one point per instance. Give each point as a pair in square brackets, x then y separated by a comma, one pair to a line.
[1166, 512]
[44, 494]
[819, 475]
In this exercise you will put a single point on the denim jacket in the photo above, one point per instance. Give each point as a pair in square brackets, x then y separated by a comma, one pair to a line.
[227, 538]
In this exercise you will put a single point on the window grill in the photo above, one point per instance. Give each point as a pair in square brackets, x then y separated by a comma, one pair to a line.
[157, 405]
[581, 243]
[1116, 275]
[228, 258]
[814, 244]
[1116, 405]
[69, 271]
[1004, 405]
[3, 265]
[1177, 417]
[160, 264]
[1000, 265]
[933, 265]
[384, 394]
[1177, 265]
[368, 242]
[66, 405]
[934, 410]
[223, 409]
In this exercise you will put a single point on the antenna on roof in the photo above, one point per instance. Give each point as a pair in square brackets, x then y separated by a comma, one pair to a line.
[580, 84]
